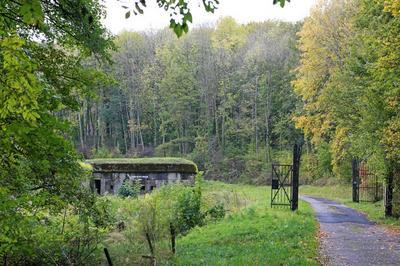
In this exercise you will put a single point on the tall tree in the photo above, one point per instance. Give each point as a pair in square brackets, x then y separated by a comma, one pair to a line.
[348, 80]
[42, 45]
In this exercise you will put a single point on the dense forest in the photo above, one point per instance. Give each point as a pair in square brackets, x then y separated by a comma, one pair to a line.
[233, 97]
[221, 97]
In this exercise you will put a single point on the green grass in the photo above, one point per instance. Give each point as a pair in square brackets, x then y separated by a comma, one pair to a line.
[343, 194]
[253, 234]
[150, 160]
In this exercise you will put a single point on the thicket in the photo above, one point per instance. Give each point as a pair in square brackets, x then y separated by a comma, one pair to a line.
[130, 189]
[148, 226]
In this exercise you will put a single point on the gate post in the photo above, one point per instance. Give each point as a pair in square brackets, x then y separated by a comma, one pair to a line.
[295, 181]
[389, 193]
[355, 176]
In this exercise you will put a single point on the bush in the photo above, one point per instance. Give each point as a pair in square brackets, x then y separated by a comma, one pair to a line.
[188, 210]
[148, 224]
[72, 237]
[152, 221]
[257, 168]
[216, 212]
[102, 153]
[130, 190]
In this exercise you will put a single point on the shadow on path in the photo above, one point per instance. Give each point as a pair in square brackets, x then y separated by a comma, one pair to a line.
[349, 238]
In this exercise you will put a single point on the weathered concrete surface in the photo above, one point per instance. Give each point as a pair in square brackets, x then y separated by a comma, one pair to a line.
[347, 237]
[110, 173]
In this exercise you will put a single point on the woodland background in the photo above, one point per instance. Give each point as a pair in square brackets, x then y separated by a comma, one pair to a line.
[236, 97]
[221, 97]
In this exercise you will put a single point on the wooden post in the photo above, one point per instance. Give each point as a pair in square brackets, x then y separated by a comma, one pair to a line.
[173, 237]
[295, 180]
[148, 238]
[108, 257]
[355, 183]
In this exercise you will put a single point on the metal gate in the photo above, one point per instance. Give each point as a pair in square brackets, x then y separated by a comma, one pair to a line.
[366, 184]
[285, 182]
[281, 192]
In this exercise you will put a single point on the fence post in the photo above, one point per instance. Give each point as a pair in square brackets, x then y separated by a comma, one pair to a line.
[355, 176]
[389, 193]
[295, 181]
[173, 237]
[108, 257]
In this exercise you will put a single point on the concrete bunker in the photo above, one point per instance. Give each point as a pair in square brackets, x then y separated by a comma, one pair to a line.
[109, 174]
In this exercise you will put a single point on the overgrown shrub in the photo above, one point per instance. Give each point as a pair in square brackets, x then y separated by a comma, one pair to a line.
[200, 153]
[257, 169]
[72, 237]
[130, 190]
[228, 169]
[148, 219]
[188, 210]
[216, 212]
[105, 153]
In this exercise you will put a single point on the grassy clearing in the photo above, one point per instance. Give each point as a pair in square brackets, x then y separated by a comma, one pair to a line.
[343, 194]
[252, 233]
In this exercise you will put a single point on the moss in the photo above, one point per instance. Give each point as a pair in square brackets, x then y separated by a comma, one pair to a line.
[86, 166]
[143, 165]
[149, 160]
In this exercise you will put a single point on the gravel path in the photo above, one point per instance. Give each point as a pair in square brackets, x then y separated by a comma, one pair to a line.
[348, 238]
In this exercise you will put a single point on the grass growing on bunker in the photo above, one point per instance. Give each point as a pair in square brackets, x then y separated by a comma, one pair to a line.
[149, 160]
[149, 164]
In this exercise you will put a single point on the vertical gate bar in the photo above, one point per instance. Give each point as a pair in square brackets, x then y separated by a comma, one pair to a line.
[290, 170]
[283, 186]
[272, 178]
[389, 193]
[280, 180]
[288, 184]
[355, 173]
[280, 190]
[284, 197]
[376, 188]
[295, 177]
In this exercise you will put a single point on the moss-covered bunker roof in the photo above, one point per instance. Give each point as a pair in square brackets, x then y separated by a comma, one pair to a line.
[143, 165]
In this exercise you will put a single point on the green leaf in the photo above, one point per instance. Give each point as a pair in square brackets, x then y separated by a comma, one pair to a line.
[189, 17]
[32, 12]
[172, 23]
[185, 27]
[128, 14]
[281, 2]
[138, 8]
[178, 30]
